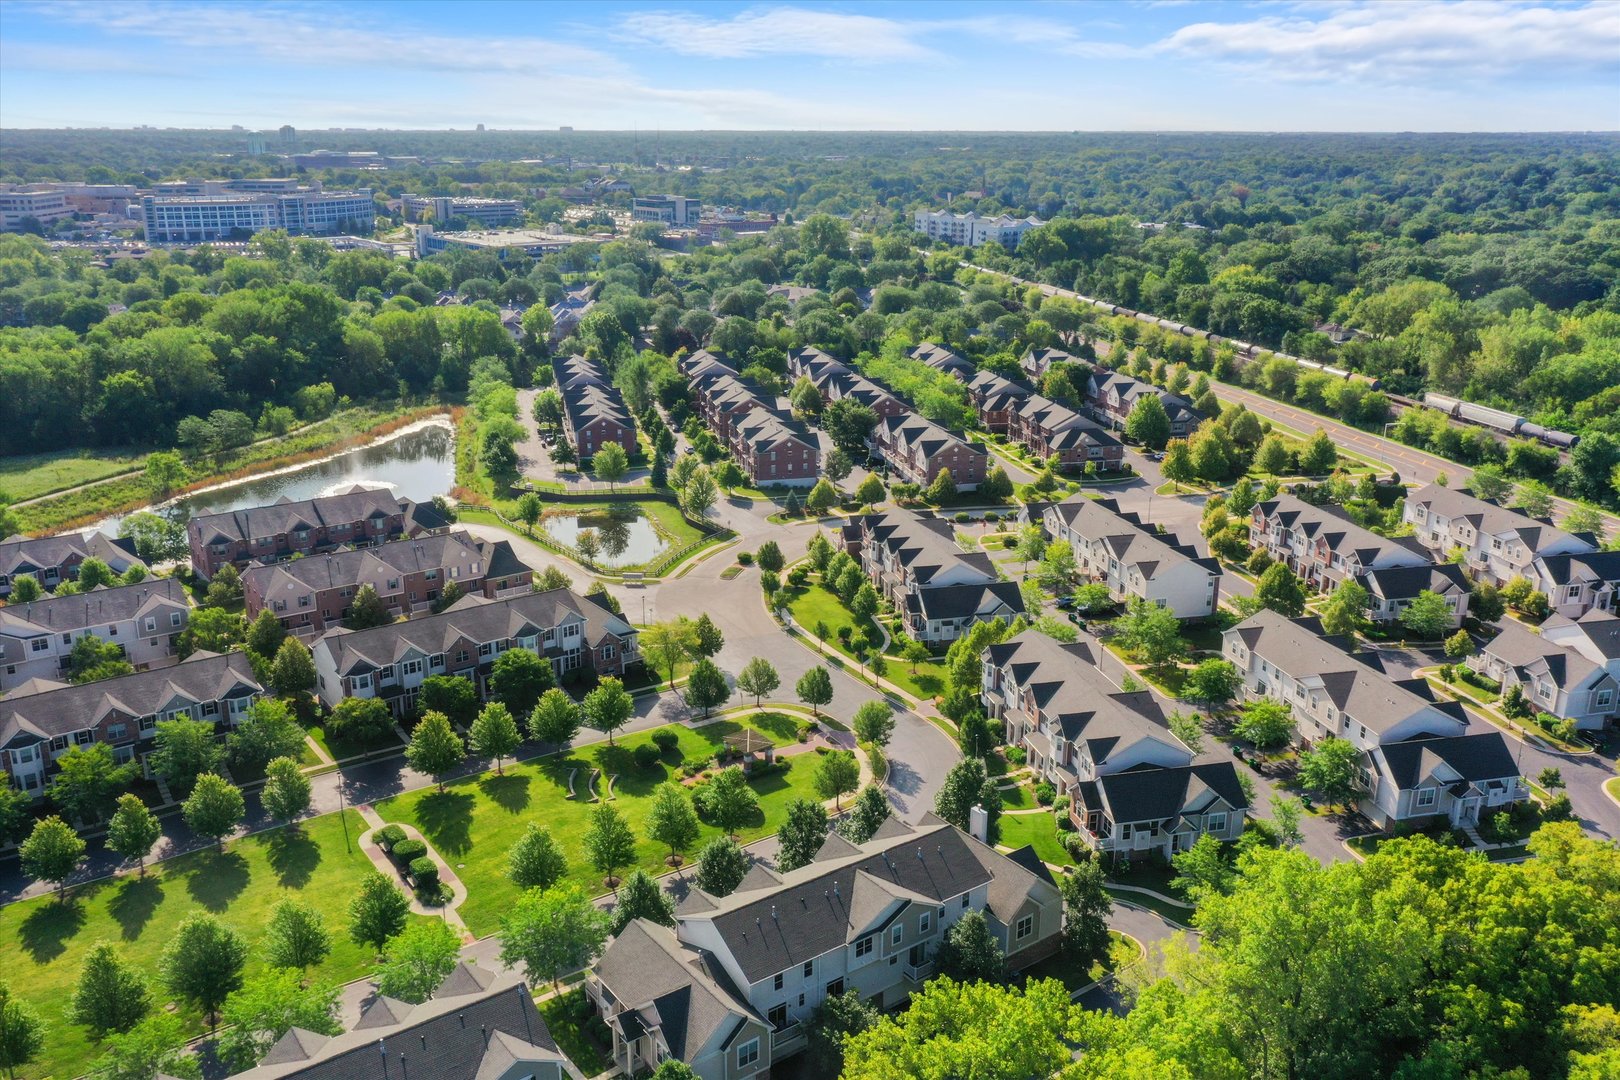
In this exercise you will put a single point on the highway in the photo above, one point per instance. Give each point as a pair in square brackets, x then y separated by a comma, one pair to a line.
[1413, 465]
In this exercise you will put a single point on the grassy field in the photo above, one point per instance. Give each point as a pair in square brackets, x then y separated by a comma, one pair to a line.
[339, 749]
[33, 475]
[1018, 798]
[813, 604]
[43, 941]
[1039, 830]
[475, 821]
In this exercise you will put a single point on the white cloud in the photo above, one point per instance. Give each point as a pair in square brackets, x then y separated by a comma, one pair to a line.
[1414, 41]
[777, 31]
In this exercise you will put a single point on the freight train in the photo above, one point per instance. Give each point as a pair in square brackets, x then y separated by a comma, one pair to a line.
[1499, 420]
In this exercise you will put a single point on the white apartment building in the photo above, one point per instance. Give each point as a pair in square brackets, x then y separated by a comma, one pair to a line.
[669, 209]
[1499, 544]
[971, 230]
[144, 621]
[190, 219]
[489, 213]
[41, 204]
[1131, 557]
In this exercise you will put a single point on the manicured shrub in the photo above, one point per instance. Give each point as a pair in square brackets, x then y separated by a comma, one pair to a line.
[1016, 756]
[1045, 793]
[425, 874]
[646, 756]
[962, 517]
[407, 850]
[666, 741]
[746, 558]
[389, 835]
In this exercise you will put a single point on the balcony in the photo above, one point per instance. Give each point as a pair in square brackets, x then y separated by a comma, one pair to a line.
[920, 972]
[788, 1040]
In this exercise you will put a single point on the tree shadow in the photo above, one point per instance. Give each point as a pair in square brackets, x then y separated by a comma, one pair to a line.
[45, 933]
[293, 856]
[218, 878]
[134, 903]
[509, 792]
[445, 818]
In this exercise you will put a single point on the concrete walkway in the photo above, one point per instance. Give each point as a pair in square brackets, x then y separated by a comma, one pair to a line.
[448, 911]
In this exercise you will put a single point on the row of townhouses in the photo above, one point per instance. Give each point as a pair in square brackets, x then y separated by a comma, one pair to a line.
[914, 448]
[41, 719]
[478, 1025]
[1499, 544]
[1418, 762]
[772, 448]
[916, 565]
[1570, 669]
[1325, 547]
[51, 560]
[594, 412]
[285, 529]
[144, 621]
[730, 989]
[574, 632]
[1133, 558]
[1113, 395]
[309, 596]
[1135, 789]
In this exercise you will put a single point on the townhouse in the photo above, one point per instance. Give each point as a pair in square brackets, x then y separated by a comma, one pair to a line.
[1577, 583]
[574, 632]
[1134, 788]
[1392, 588]
[938, 590]
[478, 1025]
[266, 534]
[731, 988]
[1036, 362]
[1324, 547]
[1049, 430]
[144, 621]
[944, 360]
[309, 596]
[594, 412]
[51, 560]
[772, 448]
[1417, 761]
[1133, 559]
[837, 382]
[1113, 395]
[996, 399]
[41, 720]
[916, 449]
[1571, 669]
[1498, 544]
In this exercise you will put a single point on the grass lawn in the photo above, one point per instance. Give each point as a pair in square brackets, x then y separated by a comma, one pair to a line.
[813, 604]
[1018, 798]
[930, 681]
[1040, 830]
[32, 475]
[340, 747]
[1613, 788]
[1071, 975]
[43, 942]
[476, 820]
[1458, 686]
[569, 1017]
[1176, 913]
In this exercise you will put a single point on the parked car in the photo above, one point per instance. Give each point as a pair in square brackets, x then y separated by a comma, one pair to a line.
[1064, 603]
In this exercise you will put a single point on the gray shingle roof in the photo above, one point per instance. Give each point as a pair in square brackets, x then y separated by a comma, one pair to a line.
[1342, 535]
[1489, 518]
[963, 601]
[1127, 537]
[25, 555]
[679, 988]
[1484, 756]
[1153, 793]
[346, 508]
[1399, 582]
[376, 564]
[202, 677]
[100, 606]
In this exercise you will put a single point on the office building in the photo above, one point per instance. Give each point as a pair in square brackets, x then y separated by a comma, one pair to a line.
[190, 219]
[971, 230]
[489, 213]
[669, 209]
[32, 204]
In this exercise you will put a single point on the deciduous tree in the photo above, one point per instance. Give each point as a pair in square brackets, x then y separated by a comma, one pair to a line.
[758, 678]
[295, 936]
[803, 832]
[269, 1006]
[672, 821]
[815, 688]
[518, 678]
[641, 897]
[133, 830]
[728, 801]
[495, 734]
[52, 852]
[609, 707]
[552, 932]
[203, 963]
[417, 960]
[435, 747]
[609, 843]
[721, 866]
[555, 719]
[111, 995]
[377, 911]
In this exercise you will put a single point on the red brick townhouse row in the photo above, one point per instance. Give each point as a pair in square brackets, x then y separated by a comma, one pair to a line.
[594, 413]
[837, 382]
[916, 449]
[771, 447]
[1113, 395]
[310, 595]
[266, 534]
[51, 560]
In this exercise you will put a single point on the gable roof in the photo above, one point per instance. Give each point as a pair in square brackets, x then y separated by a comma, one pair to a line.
[923, 545]
[358, 504]
[62, 710]
[469, 1037]
[474, 618]
[1165, 795]
[1473, 758]
[947, 602]
[911, 433]
[1342, 535]
[1399, 582]
[98, 607]
[1493, 520]
[20, 554]
[677, 988]
[376, 565]
[1126, 537]
[1531, 655]
[943, 359]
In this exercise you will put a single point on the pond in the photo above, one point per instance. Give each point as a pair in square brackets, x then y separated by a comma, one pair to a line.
[416, 463]
[626, 536]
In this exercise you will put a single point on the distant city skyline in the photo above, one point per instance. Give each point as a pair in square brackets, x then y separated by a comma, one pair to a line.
[1148, 65]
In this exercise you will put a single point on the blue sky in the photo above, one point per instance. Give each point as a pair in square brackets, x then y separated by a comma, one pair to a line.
[1340, 65]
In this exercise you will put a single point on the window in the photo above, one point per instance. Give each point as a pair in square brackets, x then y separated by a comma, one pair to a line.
[1025, 927]
[809, 968]
[59, 742]
[964, 901]
[863, 947]
[1215, 823]
[151, 624]
[778, 1016]
[1425, 797]
[83, 738]
[40, 644]
[393, 584]
[117, 731]
[778, 980]
[896, 934]
[925, 922]
[747, 1053]
[411, 667]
